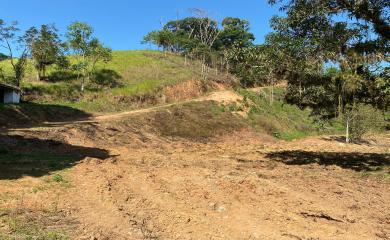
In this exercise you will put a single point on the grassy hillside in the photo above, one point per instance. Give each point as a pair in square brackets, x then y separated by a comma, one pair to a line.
[137, 76]
[207, 119]
[280, 119]
[150, 78]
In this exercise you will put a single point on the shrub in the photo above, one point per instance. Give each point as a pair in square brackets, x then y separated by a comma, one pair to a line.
[106, 78]
[364, 119]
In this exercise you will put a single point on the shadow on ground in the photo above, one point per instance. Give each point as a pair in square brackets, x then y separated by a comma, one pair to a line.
[354, 160]
[21, 156]
[341, 139]
[32, 114]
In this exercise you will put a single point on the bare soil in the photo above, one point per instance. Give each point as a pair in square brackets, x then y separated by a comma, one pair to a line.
[128, 182]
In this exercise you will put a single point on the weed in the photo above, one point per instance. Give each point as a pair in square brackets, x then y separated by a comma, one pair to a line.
[27, 228]
[58, 178]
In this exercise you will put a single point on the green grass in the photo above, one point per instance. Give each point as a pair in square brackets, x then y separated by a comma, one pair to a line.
[21, 228]
[280, 119]
[140, 73]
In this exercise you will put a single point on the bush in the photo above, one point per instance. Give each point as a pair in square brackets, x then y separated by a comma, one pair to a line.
[105, 78]
[364, 119]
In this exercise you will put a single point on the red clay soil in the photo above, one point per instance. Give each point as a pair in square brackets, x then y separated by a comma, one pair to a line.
[238, 186]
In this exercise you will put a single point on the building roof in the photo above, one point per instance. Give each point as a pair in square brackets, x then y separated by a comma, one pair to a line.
[10, 87]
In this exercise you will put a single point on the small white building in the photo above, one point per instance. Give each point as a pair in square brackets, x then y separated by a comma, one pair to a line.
[9, 93]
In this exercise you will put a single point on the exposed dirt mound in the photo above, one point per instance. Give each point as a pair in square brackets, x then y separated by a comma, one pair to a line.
[182, 91]
[155, 180]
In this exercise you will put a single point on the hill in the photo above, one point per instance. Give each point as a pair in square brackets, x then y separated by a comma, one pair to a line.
[142, 79]
[165, 154]
[195, 170]
[132, 79]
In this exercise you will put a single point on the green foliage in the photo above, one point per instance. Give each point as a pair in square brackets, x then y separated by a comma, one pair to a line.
[363, 119]
[130, 78]
[79, 36]
[3, 57]
[315, 33]
[105, 78]
[23, 228]
[87, 49]
[280, 119]
[58, 178]
[45, 48]
[201, 38]
[9, 40]
[195, 35]
[373, 12]
[256, 65]
[235, 32]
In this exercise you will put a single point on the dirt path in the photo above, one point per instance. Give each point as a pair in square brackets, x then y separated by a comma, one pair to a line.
[226, 96]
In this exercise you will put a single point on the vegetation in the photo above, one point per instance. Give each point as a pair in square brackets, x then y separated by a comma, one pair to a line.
[314, 34]
[200, 37]
[283, 120]
[332, 54]
[45, 48]
[131, 79]
[197, 121]
[25, 229]
[330, 62]
[204, 120]
[8, 36]
[87, 50]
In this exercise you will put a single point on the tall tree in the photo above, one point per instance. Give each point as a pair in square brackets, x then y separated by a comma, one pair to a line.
[45, 47]
[236, 32]
[370, 18]
[316, 32]
[9, 40]
[87, 49]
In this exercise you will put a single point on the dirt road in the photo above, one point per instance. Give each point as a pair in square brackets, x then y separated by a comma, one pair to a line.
[225, 96]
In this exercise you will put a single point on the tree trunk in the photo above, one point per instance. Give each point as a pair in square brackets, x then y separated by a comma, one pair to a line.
[43, 71]
[300, 93]
[272, 93]
[340, 106]
[82, 84]
[347, 137]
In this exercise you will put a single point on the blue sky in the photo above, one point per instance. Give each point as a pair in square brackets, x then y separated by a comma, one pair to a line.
[121, 24]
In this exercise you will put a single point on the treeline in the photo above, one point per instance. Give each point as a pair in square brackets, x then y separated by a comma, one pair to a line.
[334, 55]
[205, 39]
[45, 47]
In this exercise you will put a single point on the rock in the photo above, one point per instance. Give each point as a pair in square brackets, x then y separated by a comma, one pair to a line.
[219, 207]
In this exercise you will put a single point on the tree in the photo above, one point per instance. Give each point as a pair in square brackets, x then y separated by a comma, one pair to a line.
[245, 63]
[235, 33]
[374, 12]
[45, 47]
[96, 53]
[9, 40]
[87, 49]
[315, 33]
[315, 18]
[3, 57]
